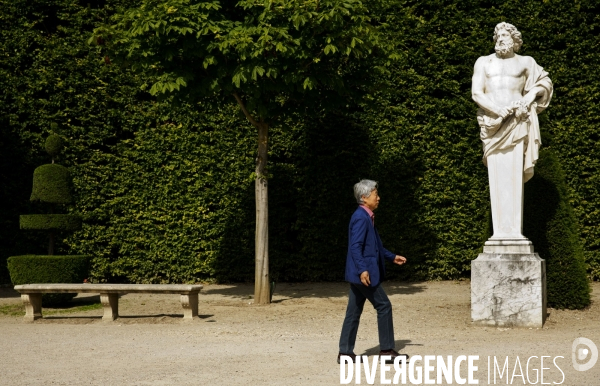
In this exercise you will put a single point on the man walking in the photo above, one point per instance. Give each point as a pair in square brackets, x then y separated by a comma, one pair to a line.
[365, 270]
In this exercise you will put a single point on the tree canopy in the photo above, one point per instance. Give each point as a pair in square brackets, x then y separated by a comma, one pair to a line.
[269, 52]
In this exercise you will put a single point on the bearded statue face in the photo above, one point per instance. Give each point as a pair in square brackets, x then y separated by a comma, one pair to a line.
[504, 43]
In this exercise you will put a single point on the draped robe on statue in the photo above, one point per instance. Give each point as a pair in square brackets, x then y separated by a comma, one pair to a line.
[501, 135]
[510, 151]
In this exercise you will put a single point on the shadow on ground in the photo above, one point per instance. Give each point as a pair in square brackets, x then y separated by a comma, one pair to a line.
[69, 317]
[309, 290]
[400, 345]
[6, 293]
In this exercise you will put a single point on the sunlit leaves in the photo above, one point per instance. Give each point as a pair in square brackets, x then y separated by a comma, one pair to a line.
[270, 47]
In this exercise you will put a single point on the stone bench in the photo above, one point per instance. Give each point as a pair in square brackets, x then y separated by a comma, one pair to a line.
[31, 294]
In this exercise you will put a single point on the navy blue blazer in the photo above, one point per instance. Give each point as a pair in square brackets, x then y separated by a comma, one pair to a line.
[365, 250]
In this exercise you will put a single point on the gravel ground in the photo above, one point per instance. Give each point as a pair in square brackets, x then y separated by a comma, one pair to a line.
[293, 341]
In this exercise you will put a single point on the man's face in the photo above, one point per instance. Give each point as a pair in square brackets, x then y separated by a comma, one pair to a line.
[371, 202]
[504, 42]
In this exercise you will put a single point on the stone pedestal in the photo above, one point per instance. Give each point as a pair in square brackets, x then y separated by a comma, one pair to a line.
[508, 285]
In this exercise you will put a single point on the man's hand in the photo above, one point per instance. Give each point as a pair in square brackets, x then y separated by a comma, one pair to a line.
[399, 260]
[364, 278]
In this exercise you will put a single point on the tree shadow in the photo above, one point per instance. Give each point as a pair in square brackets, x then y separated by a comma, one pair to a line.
[334, 154]
[540, 205]
[78, 301]
[234, 261]
[310, 290]
[235, 291]
[127, 317]
[60, 317]
[404, 288]
[18, 164]
[399, 216]
[552, 227]
[147, 316]
[124, 317]
[7, 293]
[314, 164]
[85, 299]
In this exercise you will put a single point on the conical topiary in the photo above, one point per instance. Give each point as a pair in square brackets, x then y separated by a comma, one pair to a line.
[52, 187]
[550, 223]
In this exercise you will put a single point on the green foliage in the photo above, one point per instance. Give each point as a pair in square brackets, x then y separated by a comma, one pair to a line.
[59, 222]
[552, 227]
[51, 184]
[271, 53]
[165, 188]
[54, 145]
[29, 269]
[186, 211]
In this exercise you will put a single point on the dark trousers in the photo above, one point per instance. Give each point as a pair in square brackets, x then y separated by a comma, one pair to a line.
[356, 301]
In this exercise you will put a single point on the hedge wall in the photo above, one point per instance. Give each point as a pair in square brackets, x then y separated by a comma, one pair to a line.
[165, 188]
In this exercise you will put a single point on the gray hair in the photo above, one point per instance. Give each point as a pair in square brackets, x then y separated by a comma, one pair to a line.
[513, 31]
[364, 188]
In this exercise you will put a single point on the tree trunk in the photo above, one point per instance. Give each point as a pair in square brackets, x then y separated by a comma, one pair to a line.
[262, 291]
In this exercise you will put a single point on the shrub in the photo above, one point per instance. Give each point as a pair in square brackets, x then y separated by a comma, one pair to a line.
[51, 184]
[549, 222]
[57, 222]
[54, 145]
[29, 269]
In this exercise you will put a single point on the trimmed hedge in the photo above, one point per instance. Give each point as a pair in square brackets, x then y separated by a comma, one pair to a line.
[67, 222]
[51, 184]
[54, 145]
[165, 186]
[549, 222]
[29, 269]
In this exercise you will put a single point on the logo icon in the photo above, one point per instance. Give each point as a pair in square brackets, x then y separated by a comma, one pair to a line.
[579, 353]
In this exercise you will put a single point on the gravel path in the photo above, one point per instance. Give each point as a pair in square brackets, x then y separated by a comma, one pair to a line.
[290, 342]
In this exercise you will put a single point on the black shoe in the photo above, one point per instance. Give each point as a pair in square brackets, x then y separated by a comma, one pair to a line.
[352, 357]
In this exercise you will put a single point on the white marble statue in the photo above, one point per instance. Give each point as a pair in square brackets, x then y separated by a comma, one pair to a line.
[510, 90]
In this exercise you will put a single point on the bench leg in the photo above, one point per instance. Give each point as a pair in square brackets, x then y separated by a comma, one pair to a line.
[110, 303]
[189, 302]
[33, 306]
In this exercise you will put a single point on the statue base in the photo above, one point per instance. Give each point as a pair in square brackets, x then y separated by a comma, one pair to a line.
[508, 288]
[513, 245]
